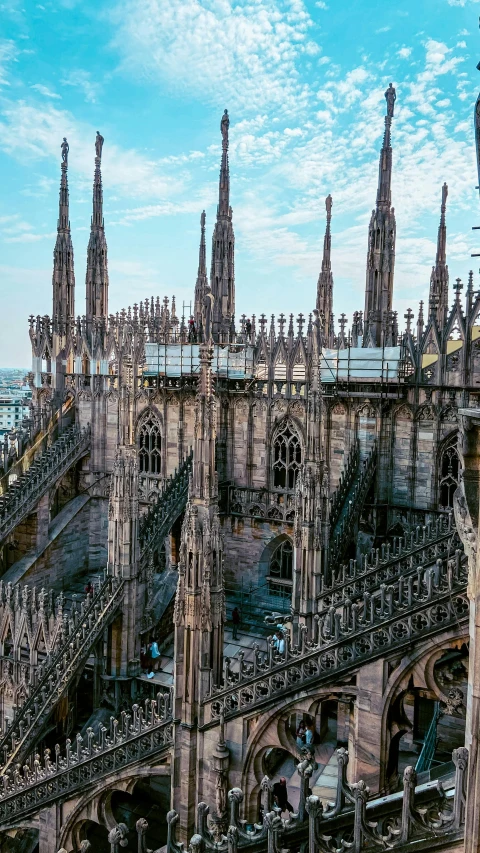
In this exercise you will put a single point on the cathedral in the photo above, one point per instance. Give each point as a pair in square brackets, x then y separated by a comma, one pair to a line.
[238, 592]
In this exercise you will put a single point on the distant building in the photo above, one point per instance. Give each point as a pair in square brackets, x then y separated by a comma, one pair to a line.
[14, 407]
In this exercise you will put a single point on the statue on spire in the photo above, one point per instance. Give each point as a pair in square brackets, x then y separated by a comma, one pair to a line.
[65, 149]
[444, 197]
[328, 205]
[99, 145]
[224, 125]
[391, 97]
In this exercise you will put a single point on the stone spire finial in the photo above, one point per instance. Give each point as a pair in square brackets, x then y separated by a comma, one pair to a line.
[202, 280]
[222, 271]
[97, 264]
[381, 239]
[390, 97]
[384, 195]
[224, 194]
[438, 298]
[324, 303]
[63, 281]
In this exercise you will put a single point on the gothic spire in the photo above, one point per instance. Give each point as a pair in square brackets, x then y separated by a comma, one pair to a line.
[438, 299]
[325, 280]
[97, 265]
[202, 280]
[381, 240]
[63, 281]
[224, 183]
[384, 191]
[222, 273]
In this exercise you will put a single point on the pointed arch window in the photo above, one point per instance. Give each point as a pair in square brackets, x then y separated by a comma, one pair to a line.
[287, 457]
[281, 569]
[150, 447]
[449, 473]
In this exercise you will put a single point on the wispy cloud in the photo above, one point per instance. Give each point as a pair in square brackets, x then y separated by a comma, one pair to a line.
[13, 229]
[45, 91]
[28, 131]
[82, 80]
[8, 53]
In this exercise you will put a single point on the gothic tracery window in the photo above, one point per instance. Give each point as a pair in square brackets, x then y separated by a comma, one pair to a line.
[281, 569]
[287, 457]
[448, 473]
[150, 447]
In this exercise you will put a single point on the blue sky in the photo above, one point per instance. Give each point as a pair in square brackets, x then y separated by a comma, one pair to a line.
[303, 82]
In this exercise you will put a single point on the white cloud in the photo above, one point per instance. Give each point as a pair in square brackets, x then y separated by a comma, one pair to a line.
[383, 30]
[81, 80]
[321, 5]
[45, 91]
[14, 229]
[27, 131]
[404, 52]
[230, 52]
[8, 53]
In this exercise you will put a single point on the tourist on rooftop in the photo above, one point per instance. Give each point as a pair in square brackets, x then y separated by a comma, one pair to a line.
[280, 796]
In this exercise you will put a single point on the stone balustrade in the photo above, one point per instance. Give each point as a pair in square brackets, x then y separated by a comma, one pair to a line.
[419, 549]
[146, 731]
[344, 484]
[354, 822]
[407, 610]
[157, 522]
[24, 493]
[261, 504]
[51, 679]
[342, 533]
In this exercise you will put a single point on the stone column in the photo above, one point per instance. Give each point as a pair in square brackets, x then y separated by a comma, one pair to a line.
[467, 500]
[43, 521]
[368, 725]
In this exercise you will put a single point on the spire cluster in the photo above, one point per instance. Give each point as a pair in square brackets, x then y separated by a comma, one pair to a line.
[438, 298]
[97, 264]
[63, 281]
[214, 304]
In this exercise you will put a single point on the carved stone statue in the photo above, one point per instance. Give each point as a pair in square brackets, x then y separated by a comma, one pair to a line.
[329, 205]
[224, 125]
[444, 196]
[221, 784]
[207, 313]
[99, 145]
[65, 149]
[391, 97]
